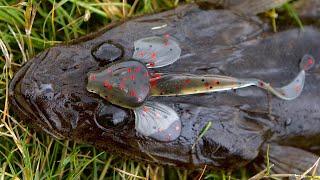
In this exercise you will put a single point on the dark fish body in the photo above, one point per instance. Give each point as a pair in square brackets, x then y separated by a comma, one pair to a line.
[49, 92]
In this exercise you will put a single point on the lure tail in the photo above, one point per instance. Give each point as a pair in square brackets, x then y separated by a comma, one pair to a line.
[288, 92]
[291, 90]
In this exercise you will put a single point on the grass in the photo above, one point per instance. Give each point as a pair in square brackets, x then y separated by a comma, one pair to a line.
[28, 27]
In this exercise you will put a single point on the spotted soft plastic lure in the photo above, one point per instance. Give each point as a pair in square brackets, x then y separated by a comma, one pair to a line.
[128, 84]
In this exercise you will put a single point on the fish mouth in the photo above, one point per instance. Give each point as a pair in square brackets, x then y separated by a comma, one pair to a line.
[21, 102]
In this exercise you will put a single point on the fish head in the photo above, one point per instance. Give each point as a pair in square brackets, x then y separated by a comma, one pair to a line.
[49, 94]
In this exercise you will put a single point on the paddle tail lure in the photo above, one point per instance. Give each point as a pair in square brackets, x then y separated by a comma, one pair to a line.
[129, 84]
[184, 84]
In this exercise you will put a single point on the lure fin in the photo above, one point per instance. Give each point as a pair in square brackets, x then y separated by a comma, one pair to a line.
[157, 121]
[156, 51]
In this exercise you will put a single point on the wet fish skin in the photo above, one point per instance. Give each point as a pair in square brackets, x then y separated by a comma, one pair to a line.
[242, 121]
[308, 10]
[247, 7]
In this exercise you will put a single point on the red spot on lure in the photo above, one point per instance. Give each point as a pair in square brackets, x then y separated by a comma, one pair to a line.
[132, 77]
[107, 85]
[153, 56]
[92, 77]
[151, 64]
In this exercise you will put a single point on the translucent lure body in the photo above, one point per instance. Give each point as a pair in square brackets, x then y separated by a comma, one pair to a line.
[125, 84]
[186, 84]
[128, 84]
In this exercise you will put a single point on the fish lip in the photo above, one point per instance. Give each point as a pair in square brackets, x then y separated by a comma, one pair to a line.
[20, 105]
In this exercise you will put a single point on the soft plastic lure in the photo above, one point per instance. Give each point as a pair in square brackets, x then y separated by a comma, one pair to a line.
[128, 84]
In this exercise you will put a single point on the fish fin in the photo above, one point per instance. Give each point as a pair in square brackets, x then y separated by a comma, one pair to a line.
[289, 160]
[157, 121]
[156, 51]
